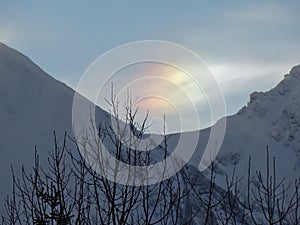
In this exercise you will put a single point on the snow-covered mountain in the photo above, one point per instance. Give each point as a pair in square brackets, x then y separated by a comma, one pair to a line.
[270, 119]
[33, 105]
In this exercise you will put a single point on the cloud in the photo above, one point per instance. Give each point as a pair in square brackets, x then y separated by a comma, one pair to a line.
[239, 80]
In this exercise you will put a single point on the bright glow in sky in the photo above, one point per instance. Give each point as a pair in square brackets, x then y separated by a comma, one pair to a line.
[247, 45]
[159, 89]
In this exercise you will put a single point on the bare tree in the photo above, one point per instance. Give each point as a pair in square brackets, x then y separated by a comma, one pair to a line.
[73, 188]
[268, 200]
[124, 203]
[45, 196]
[70, 189]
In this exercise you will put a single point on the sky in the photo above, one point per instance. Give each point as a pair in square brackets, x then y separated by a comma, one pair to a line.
[248, 46]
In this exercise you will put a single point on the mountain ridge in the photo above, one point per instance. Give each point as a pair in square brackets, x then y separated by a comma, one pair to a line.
[34, 105]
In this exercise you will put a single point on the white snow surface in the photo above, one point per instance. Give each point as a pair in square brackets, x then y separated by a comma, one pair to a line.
[270, 119]
[32, 106]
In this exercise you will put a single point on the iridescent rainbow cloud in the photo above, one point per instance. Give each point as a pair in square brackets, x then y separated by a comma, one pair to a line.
[160, 89]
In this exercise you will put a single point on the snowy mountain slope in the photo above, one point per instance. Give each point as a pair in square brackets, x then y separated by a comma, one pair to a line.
[33, 105]
[270, 119]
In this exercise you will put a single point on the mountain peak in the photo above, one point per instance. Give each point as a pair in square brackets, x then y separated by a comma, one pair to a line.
[272, 102]
[295, 71]
[12, 60]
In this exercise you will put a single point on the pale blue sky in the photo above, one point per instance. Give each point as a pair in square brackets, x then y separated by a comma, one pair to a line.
[248, 45]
